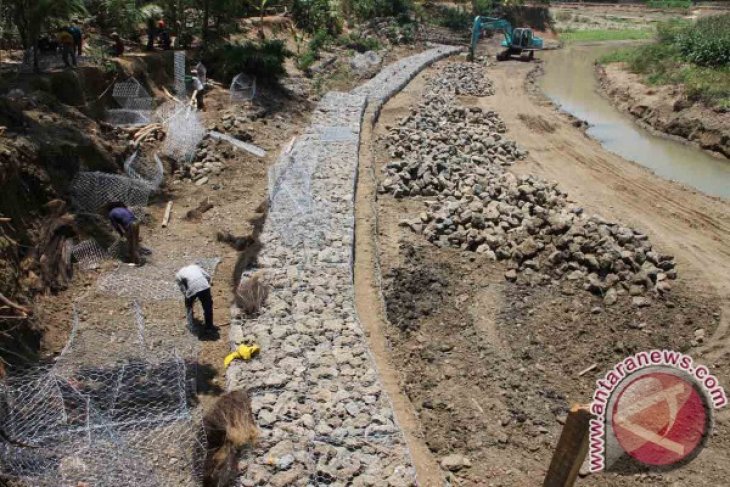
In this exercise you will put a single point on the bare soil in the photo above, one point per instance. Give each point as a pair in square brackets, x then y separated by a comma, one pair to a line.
[490, 367]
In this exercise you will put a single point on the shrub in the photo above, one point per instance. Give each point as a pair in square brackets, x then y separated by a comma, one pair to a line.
[264, 59]
[370, 9]
[456, 19]
[316, 15]
[318, 41]
[707, 41]
[359, 43]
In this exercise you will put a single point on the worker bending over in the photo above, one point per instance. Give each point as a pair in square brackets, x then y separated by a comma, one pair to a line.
[127, 226]
[194, 283]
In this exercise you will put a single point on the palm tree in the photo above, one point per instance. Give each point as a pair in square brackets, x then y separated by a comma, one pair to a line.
[31, 16]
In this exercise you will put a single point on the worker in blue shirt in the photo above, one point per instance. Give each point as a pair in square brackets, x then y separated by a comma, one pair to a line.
[127, 226]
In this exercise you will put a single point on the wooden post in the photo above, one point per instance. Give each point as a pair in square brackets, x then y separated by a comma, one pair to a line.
[571, 450]
[166, 218]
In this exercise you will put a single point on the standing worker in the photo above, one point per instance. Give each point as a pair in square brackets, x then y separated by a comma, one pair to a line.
[66, 41]
[164, 35]
[127, 226]
[194, 283]
[198, 88]
[78, 38]
[118, 47]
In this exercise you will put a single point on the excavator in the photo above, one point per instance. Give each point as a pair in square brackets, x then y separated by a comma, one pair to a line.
[516, 41]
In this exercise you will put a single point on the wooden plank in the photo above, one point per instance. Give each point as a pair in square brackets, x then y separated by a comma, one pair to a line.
[571, 450]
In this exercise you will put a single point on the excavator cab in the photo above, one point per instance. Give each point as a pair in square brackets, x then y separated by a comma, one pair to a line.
[522, 38]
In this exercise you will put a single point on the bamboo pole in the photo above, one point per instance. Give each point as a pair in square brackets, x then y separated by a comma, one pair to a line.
[166, 218]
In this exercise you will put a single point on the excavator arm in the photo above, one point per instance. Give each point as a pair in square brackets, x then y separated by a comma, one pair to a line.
[483, 23]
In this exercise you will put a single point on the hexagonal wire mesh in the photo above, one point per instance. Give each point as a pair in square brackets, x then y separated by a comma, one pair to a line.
[126, 420]
[179, 68]
[91, 191]
[150, 172]
[243, 87]
[183, 132]
[155, 280]
[135, 101]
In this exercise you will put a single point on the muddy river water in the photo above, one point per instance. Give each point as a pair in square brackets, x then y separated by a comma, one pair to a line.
[570, 82]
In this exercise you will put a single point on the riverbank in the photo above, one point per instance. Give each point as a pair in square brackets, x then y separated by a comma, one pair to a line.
[666, 109]
[488, 355]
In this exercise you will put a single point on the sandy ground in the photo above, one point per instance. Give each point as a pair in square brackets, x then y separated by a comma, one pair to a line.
[486, 368]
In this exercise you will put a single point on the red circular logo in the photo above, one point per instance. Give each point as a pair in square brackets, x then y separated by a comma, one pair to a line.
[660, 418]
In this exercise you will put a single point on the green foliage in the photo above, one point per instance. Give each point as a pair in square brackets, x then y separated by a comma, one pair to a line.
[358, 43]
[123, 16]
[319, 41]
[669, 61]
[306, 60]
[685, 4]
[707, 41]
[264, 59]
[31, 16]
[316, 15]
[454, 18]
[484, 7]
[371, 9]
[590, 35]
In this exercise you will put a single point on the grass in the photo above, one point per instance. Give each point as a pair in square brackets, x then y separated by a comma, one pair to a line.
[662, 64]
[662, 4]
[594, 35]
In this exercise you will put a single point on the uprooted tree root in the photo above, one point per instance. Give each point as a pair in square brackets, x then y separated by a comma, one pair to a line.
[229, 427]
[251, 295]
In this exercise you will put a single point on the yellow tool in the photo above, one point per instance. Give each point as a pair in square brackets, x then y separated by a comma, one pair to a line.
[244, 352]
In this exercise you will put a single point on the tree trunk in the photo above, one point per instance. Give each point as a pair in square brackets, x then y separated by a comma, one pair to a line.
[206, 18]
[36, 64]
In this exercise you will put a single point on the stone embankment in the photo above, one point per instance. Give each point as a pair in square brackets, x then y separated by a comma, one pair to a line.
[323, 414]
[455, 157]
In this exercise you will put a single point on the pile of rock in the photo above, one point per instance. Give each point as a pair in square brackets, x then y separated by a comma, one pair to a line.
[209, 161]
[463, 79]
[456, 156]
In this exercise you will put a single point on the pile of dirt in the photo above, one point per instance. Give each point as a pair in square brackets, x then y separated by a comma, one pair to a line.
[667, 109]
[414, 292]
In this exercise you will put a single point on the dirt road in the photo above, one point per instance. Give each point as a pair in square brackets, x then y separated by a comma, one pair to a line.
[486, 367]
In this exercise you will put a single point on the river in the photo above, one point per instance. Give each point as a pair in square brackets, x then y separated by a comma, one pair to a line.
[570, 82]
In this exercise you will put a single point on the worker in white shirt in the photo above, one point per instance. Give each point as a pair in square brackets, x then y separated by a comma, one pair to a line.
[198, 88]
[194, 283]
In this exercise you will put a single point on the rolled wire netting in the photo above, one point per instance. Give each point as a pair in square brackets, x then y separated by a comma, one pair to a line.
[150, 172]
[183, 132]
